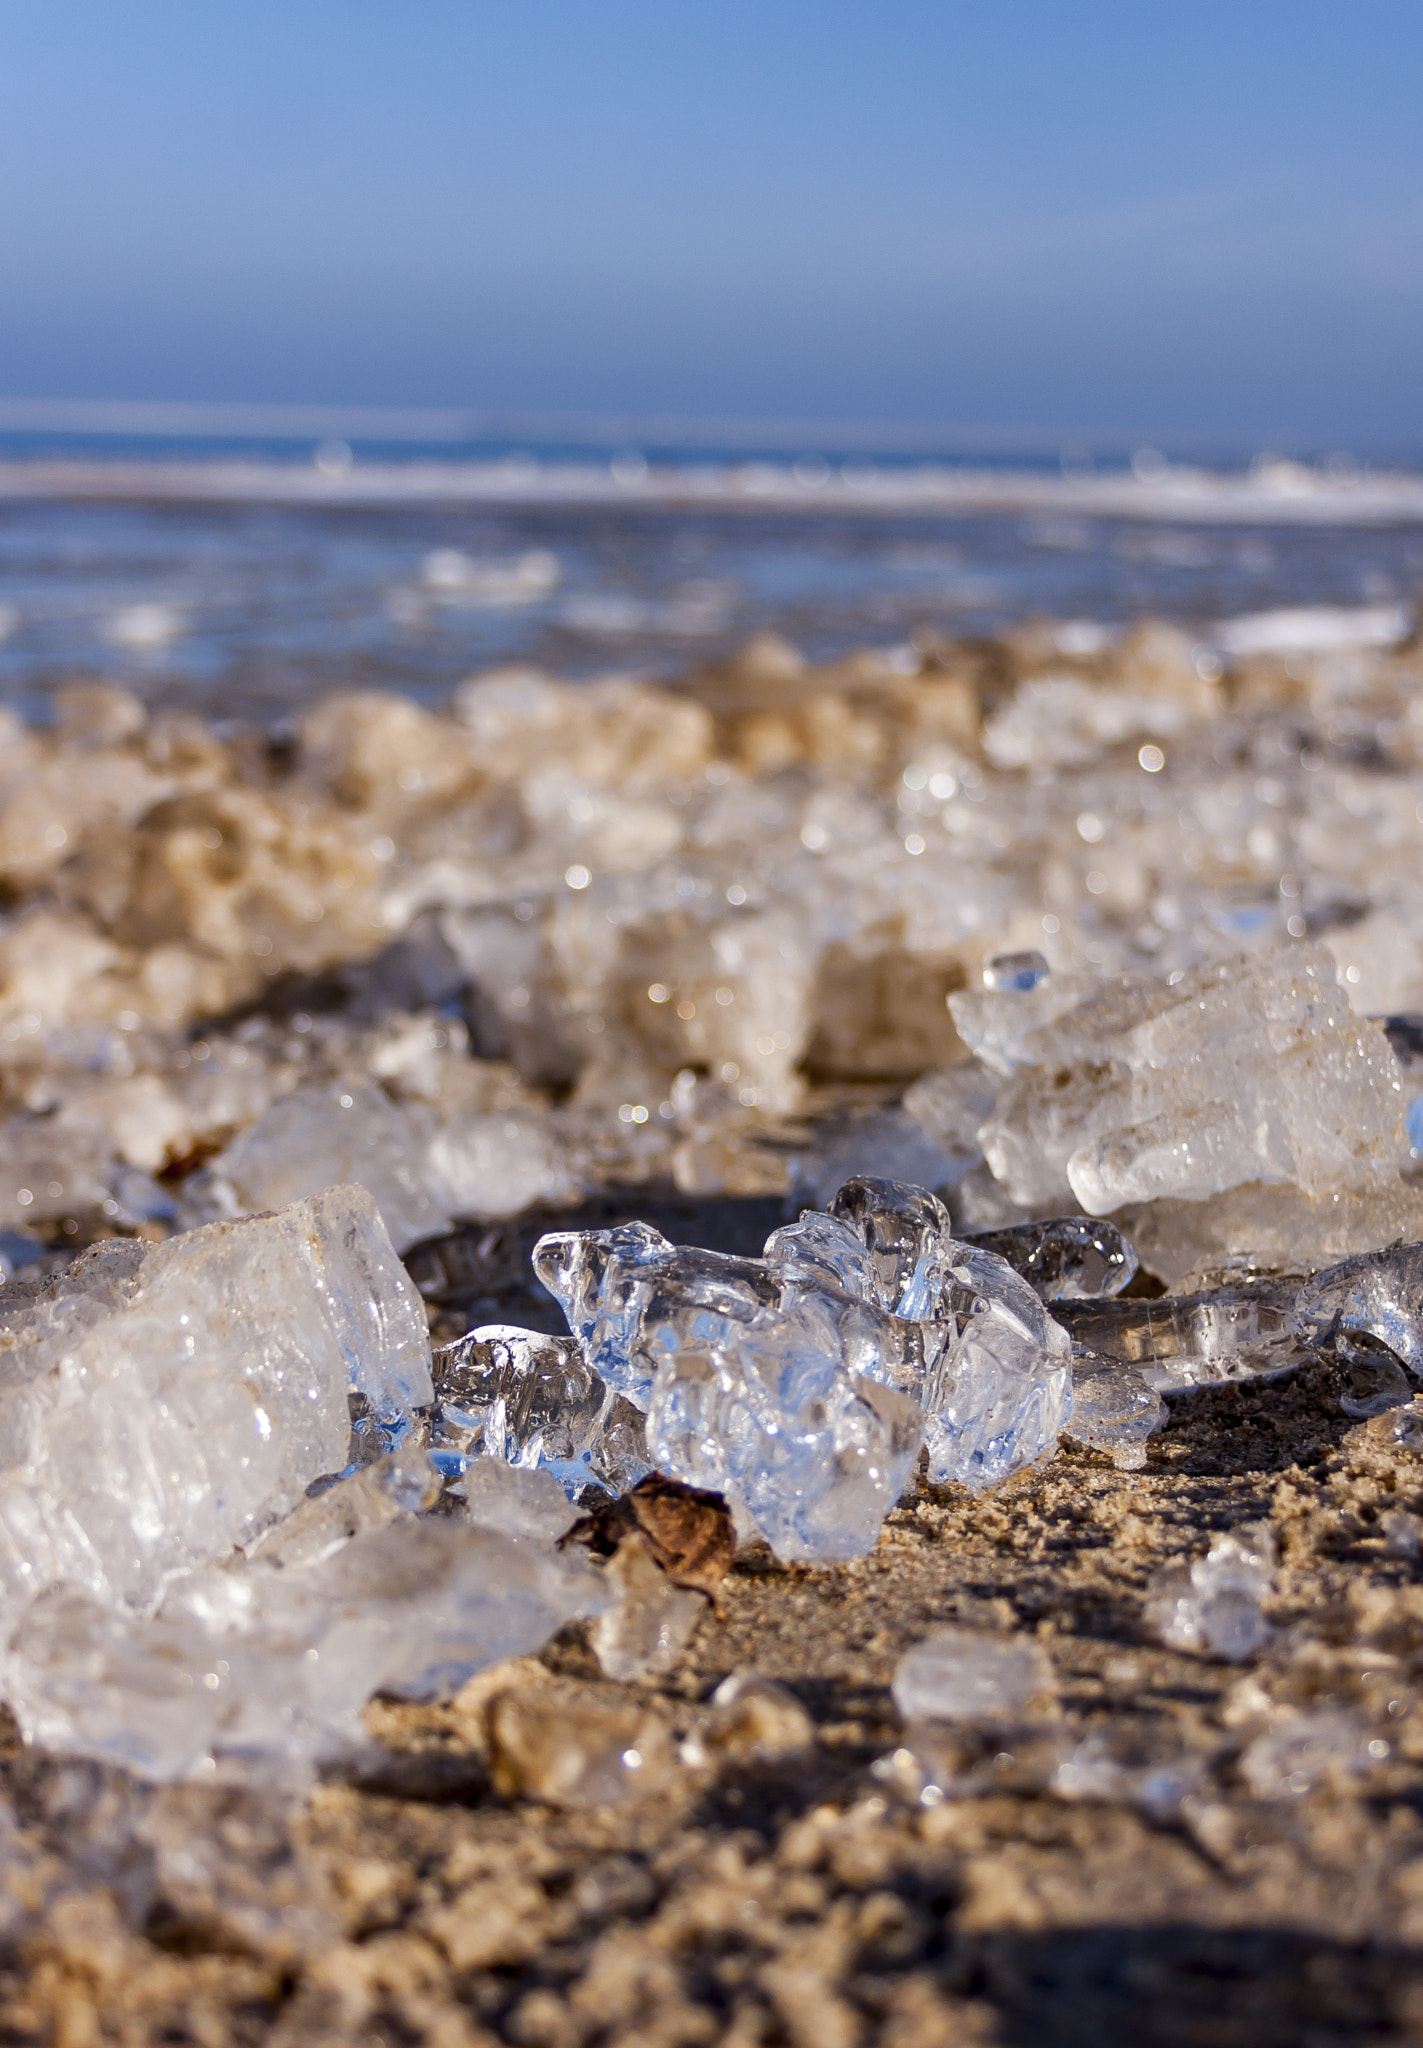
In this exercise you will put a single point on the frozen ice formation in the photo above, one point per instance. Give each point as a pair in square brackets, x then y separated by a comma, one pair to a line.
[792, 1397]
[1214, 1606]
[1330, 1746]
[574, 1749]
[1363, 1312]
[652, 1620]
[274, 1660]
[1065, 1258]
[1235, 1331]
[967, 1674]
[1238, 1070]
[346, 1131]
[163, 1403]
[1113, 1410]
[750, 1719]
[800, 1384]
[997, 1388]
[534, 1402]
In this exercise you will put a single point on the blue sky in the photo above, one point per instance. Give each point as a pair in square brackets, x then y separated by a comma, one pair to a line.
[1087, 216]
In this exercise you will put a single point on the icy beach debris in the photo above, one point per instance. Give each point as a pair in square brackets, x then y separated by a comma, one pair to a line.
[1378, 1295]
[1113, 1410]
[164, 1403]
[270, 1663]
[525, 1503]
[1236, 1331]
[1309, 1750]
[533, 1401]
[653, 1619]
[1239, 1070]
[799, 1384]
[403, 1482]
[348, 1131]
[756, 1388]
[1213, 1607]
[575, 1749]
[970, 1675]
[750, 1719]
[1066, 1258]
[997, 1389]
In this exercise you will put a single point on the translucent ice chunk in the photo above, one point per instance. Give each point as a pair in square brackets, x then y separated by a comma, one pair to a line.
[603, 1281]
[533, 1401]
[526, 1504]
[1191, 1340]
[996, 1389]
[763, 1381]
[265, 1662]
[1311, 1750]
[349, 1131]
[1113, 1410]
[1000, 1391]
[574, 1749]
[950, 1105]
[1377, 1295]
[1110, 1769]
[653, 1619]
[908, 1236]
[486, 1166]
[967, 1674]
[751, 1719]
[1240, 1070]
[403, 1482]
[160, 1406]
[1070, 1258]
[1213, 1607]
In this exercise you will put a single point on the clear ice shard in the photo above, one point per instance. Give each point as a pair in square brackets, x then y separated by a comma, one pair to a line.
[798, 1384]
[967, 1674]
[1331, 1746]
[161, 1404]
[794, 1398]
[403, 1482]
[263, 1666]
[1213, 1607]
[1248, 1069]
[319, 1137]
[997, 1390]
[520, 1501]
[1377, 1295]
[533, 1401]
[652, 1620]
[1113, 1410]
[1191, 1340]
[1066, 1258]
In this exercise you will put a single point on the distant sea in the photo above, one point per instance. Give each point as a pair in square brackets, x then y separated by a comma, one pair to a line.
[243, 566]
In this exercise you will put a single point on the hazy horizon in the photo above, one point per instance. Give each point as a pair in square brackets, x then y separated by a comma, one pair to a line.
[1200, 231]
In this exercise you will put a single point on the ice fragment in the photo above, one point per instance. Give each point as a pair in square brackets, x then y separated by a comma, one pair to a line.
[1213, 1608]
[269, 1662]
[1311, 1750]
[574, 1749]
[162, 1404]
[1113, 1410]
[751, 1719]
[969, 1675]
[532, 1400]
[653, 1619]
[1067, 1258]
